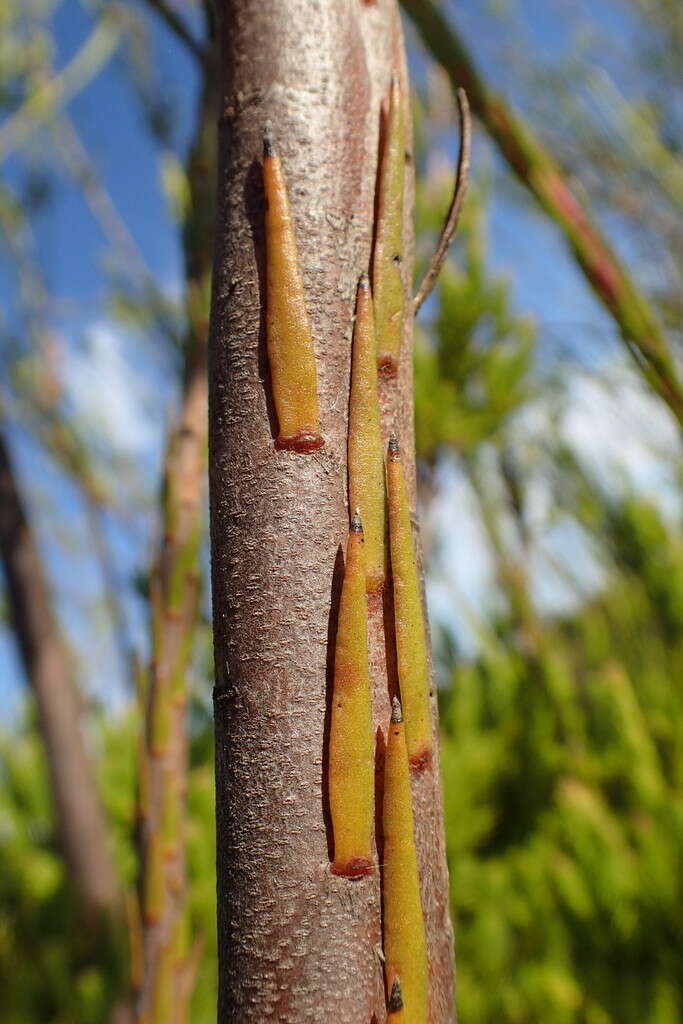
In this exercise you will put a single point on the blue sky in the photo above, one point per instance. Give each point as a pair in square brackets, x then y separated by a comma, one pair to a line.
[73, 255]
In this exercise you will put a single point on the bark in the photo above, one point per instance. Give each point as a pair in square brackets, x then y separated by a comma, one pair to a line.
[295, 942]
[79, 816]
[535, 168]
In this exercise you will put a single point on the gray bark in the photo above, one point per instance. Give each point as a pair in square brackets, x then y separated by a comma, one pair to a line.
[296, 943]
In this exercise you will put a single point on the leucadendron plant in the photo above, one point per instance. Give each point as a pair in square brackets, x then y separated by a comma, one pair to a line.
[318, 853]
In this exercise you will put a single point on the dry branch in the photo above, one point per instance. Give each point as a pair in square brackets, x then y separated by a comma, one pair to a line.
[450, 225]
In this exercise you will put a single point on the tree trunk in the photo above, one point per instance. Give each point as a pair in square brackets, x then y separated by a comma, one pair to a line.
[79, 816]
[295, 942]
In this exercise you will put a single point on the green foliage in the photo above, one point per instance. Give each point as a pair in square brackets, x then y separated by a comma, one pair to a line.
[51, 969]
[468, 384]
[562, 739]
[564, 804]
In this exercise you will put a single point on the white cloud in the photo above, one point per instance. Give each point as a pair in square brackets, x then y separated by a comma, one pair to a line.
[623, 436]
[461, 577]
[110, 396]
[622, 433]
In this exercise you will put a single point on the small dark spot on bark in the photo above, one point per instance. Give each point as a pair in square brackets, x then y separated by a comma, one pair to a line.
[421, 761]
[387, 367]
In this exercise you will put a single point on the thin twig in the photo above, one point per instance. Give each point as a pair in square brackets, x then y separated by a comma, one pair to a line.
[534, 166]
[118, 622]
[462, 177]
[179, 29]
[188, 976]
[79, 163]
[53, 94]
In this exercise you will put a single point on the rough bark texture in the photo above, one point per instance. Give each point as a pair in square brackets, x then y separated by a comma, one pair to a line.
[78, 812]
[297, 943]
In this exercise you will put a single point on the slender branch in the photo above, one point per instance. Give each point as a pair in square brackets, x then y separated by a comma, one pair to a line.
[179, 29]
[512, 572]
[528, 159]
[639, 135]
[78, 161]
[48, 424]
[122, 635]
[450, 225]
[174, 588]
[56, 92]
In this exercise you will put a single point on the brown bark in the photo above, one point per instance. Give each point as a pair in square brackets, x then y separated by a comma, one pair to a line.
[79, 815]
[297, 943]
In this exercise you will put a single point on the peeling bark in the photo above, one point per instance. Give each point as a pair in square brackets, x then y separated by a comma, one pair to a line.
[297, 943]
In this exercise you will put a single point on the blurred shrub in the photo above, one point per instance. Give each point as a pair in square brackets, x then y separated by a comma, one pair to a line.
[51, 969]
[562, 739]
